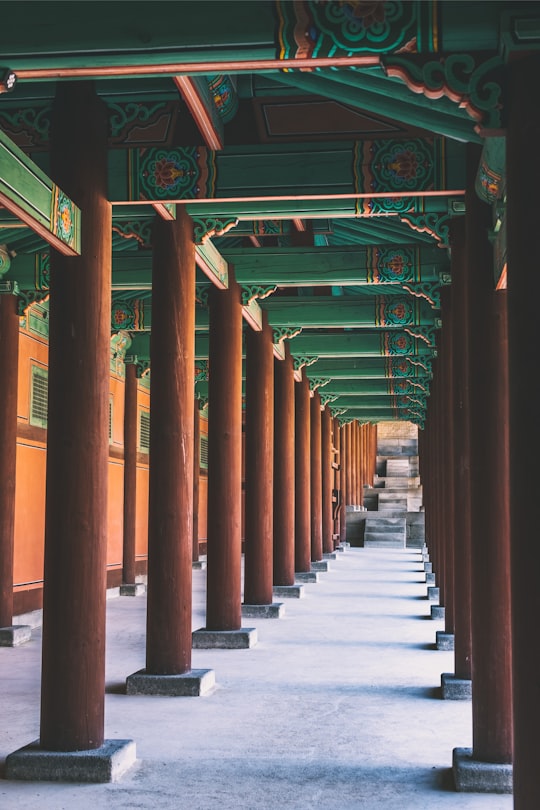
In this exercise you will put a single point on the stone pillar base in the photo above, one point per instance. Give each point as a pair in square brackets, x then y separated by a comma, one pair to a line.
[306, 576]
[105, 764]
[428, 567]
[15, 635]
[199, 565]
[274, 611]
[242, 639]
[453, 688]
[473, 776]
[194, 683]
[433, 593]
[343, 546]
[444, 641]
[320, 565]
[132, 589]
[437, 612]
[289, 591]
[430, 578]
[330, 555]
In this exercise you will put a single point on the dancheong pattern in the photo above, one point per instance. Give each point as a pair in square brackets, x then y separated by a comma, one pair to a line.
[388, 265]
[182, 173]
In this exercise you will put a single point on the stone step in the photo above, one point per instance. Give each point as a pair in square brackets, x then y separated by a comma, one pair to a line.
[383, 532]
[396, 467]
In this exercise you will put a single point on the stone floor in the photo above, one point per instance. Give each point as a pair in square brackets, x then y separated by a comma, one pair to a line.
[336, 708]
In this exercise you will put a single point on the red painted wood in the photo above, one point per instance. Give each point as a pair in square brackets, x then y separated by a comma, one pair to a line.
[302, 485]
[327, 481]
[490, 485]
[73, 671]
[447, 574]
[170, 510]
[130, 474]
[316, 479]
[223, 600]
[284, 485]
[523, 215]
[461, 420]
[344, 483]
[9, 363]
[259, 465]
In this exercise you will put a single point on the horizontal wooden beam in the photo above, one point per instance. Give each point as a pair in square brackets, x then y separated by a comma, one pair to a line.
[33, 198]
[198, 98]
[322, 312]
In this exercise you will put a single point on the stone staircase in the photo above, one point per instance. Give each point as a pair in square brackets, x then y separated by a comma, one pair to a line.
[396, 492]
[385, 532]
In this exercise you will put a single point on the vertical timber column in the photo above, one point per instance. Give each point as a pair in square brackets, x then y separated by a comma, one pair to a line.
[258, 563]
[343, 482]
[196, 478]
[284, 470]
[354, 462]
[462, 486]
[170, 507]
[224, 557]
[73, 670]
[337, 479]
[327, 481]
[9, 363]
[490, 550]
[130, 474]
[302, 481]
[316, 479]
[348, 461]
[523, 215]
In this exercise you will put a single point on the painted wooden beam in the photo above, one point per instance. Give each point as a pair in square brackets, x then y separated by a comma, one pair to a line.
[350, 368]
[320, 312]
[199, 100]
[212, 264]
[28, 193]
[360, 344]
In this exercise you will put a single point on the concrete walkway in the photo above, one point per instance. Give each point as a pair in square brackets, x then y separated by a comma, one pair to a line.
[336, 708]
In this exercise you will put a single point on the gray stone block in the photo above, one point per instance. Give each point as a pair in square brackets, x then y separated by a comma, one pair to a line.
[104, 764]
[242, 639]
[15, 635]
[289, 591]
[473, 776]
[430, 578]
[306, 576]
[320, 565]
[453, 688]
[132, 589]
[194, 683]
[444, 641]
[274, 611]
[433, 593]
[437, 612]
[428, 567]
[330, 555]
[199, 565]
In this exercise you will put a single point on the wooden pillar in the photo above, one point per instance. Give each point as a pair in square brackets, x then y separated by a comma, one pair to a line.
[446, 579]
[130, 474]
[491, 632]
[258, 557]
[302, 481]
[316, 479]
[462, 486]
[343, 460]
[284, 486]
[9, 363]
[354, 463]
[73, 671]
[170, 509]
[196, 478]
[337, 486]
[224, 553]
[523, 215]
[349, 462]
[327, 471]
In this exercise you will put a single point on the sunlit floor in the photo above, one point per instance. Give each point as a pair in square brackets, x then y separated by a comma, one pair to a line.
[337, 707]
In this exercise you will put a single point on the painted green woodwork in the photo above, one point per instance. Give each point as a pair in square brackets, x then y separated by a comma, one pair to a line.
[213, 265]
[363, 387]
[362, 403]
[321, 312]
[297, 266]
[405, 166]
[373, 368]
[28, 193]
[224, 96]
[364, 344]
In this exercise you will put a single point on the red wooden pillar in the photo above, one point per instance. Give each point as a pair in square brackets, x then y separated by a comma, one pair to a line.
[461, 440]
[130, 474]
[9, 363]
[224, 459]
[491, 628]
[327, 481]
[73, 670]
[258, 565]
[302, 481]
[348, 462]
[343, 460]
[316, 479]
[523, 211]
[337, 485]
[196, 478]
[284, 486]
[354, 463]
[170, 529]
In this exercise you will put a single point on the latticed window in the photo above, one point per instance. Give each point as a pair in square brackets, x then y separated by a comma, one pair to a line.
[144, 431]
[38, 397]
[110, 420]
[204, 453]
